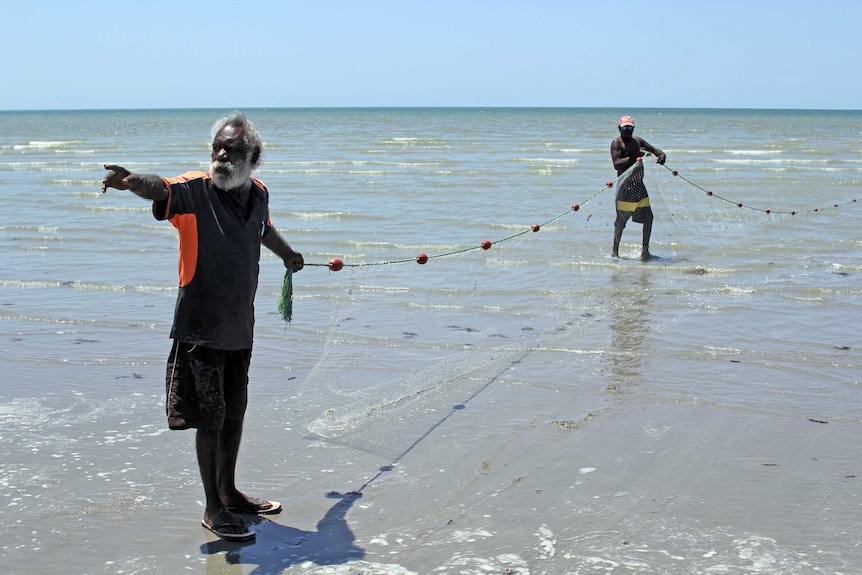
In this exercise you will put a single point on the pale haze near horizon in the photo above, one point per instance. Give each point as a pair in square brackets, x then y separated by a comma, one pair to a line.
[195, 54]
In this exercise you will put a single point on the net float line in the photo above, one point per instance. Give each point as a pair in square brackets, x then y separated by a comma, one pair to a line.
[712, 194]
[337, 264]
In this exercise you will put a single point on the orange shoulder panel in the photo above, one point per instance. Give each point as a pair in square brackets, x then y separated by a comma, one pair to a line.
[262, 186]
[187, 227]
[186, 177]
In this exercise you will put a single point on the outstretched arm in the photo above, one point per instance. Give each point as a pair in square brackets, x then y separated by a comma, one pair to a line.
[147, 186]
[659, 155]
[275, 242]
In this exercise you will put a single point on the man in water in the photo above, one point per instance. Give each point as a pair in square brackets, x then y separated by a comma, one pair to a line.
[222, 218]
[632, 200]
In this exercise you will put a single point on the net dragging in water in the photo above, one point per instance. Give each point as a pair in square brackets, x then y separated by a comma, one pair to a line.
[400, 333]
[399, 336]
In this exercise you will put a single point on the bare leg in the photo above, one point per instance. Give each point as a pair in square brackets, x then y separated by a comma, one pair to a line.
[231, 497]
[211, 459]
[619, 226]
[645, 253]
[231, 436]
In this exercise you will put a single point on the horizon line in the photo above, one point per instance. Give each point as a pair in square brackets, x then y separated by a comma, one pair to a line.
[413, 107]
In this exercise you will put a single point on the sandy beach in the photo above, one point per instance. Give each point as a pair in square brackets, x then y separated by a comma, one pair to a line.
[536, 408]
[516, 476]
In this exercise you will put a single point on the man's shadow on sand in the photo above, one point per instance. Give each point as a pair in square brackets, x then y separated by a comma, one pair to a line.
[277, 547]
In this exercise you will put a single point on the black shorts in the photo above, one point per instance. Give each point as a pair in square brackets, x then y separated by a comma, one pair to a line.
[639, 216]
[205, 386]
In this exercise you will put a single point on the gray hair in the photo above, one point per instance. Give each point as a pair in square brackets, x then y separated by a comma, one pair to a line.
[251, 136]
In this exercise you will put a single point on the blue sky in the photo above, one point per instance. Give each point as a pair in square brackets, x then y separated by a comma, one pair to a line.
[309, 53]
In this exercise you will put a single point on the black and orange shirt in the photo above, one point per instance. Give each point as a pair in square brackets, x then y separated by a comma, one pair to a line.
[219, 259]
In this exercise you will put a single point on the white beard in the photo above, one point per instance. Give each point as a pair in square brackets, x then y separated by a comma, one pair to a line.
[237, 174]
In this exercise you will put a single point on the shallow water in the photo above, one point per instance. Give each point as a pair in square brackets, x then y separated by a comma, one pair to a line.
[743, 310]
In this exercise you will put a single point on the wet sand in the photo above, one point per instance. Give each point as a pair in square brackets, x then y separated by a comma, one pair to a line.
[504, 474]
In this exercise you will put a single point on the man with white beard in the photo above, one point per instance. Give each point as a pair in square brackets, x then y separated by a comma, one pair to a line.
[222, 218]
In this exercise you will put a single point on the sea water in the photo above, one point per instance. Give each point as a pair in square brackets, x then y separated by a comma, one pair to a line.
[753, 301]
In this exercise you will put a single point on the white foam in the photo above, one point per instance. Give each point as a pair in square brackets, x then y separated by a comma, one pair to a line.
[471, 536]
[547, 542]
[43, 145]
[508, 563]
[355, 568]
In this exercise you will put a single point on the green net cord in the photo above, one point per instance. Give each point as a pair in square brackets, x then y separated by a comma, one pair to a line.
[285, 302]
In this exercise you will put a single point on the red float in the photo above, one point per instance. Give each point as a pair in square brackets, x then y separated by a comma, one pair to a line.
[535, 227]
[422, 259]
[575, 207]
[486, 244]
[335, 265]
